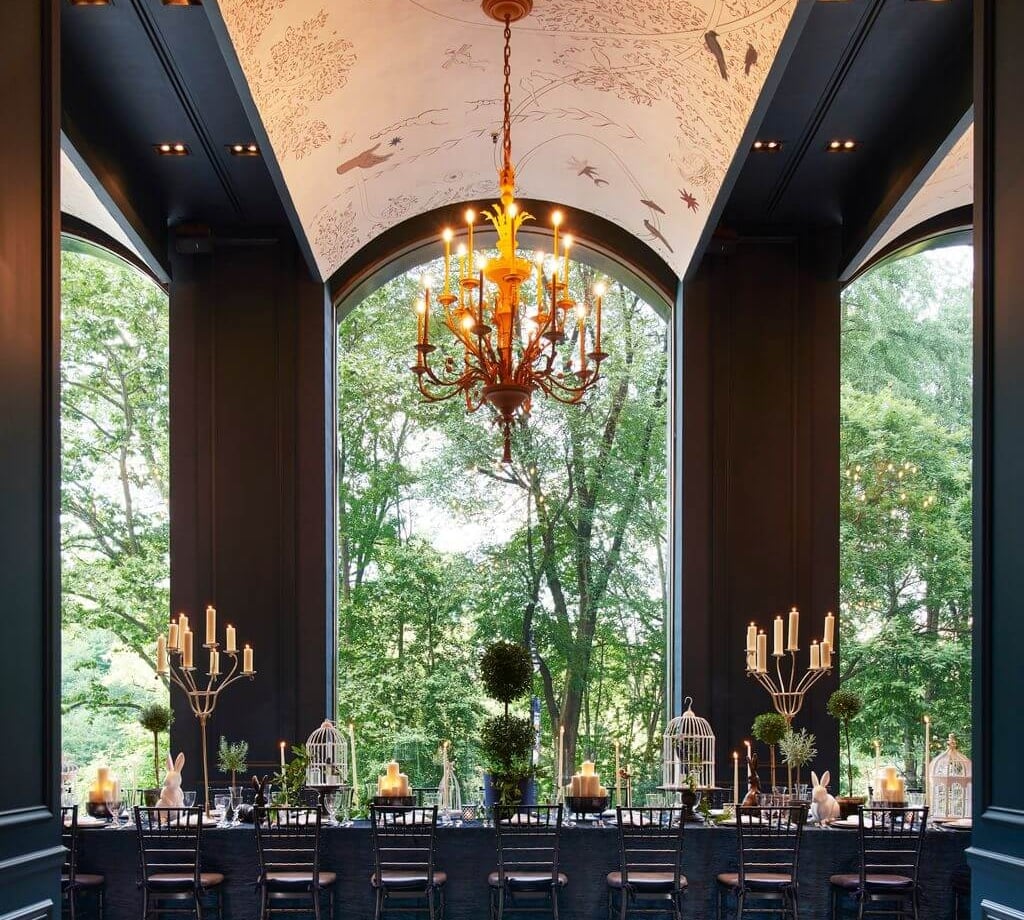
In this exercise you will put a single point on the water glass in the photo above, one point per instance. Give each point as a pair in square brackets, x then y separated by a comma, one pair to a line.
[222, 804]
[189, 798]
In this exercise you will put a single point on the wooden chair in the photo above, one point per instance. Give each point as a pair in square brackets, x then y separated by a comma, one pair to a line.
[890, 855]
[405, 878]
[650, 879]
[288, 844]
[169, 859]
[768, 841]
[72, 882]
[527, 879]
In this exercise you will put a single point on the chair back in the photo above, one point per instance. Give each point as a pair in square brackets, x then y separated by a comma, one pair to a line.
[169, 840]
[769, 838]
[890, 841]
[403, 839]
[69, 838]
[650, 840]
[288, 840]
[528, 837]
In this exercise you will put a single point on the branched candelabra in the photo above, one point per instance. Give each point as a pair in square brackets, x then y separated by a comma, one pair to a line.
[787, 690]
[175, 660]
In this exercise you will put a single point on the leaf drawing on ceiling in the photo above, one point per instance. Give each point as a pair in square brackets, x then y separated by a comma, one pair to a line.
[426, 117]
[583, 168]
[462, 57]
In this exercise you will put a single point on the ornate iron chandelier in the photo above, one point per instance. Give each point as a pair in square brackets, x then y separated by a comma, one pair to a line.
[510, 349]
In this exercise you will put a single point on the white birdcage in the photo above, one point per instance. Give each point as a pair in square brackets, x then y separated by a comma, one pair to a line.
[949, 783]
[327, 753]
[689, 748]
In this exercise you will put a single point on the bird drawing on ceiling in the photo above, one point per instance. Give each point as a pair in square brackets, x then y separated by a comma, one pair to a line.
[653, 205]
[583, 168]
[462, 56]
[750, 60]
[367, 159]
[689, 200]
[657, 234]
[711, 40]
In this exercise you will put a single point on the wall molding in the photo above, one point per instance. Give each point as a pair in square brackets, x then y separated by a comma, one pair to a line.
[40, 910]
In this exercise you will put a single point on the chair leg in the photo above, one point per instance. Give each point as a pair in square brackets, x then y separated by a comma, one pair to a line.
[554, 902]
[197, 900]
[740, 897]
[145, 903]
[316, 903]
[622, 904]
[378, 904]
[430, 904]
[718, 903]
[794, 899]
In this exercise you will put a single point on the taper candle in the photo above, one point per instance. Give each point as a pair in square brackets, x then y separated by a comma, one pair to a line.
[777, 643]
[815, 656]
[751, 638]
[186, 649]
[927, 755]
[247, 660]
[355, 771]
[230, 639]
[172, 636]
[161, 654]
[794, 631]
[282, 758]
[214, 663]
[735, 777]
[830, 629]
[446, 235]
[211, 624]
[762, 652]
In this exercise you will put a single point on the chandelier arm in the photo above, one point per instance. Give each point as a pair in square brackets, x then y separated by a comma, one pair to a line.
[439, 397]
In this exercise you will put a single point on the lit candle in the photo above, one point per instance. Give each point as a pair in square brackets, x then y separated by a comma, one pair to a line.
[186, 649]
[751, 638]
[815, 657]
[599, 291]
[777, 643]
[214, 662]
[878, 752]
[561, 755]
[172, 636]
[581, 315]
[566, 243]
[355, 771]
[247, 660]
[470, 218]
[426, 311]
[421, 312]
[826, 654]
[447, 237]
[794, 631]
[229, 639]
[927, 755]
[830, 629]
[211, 625]
[762, 652]
[747, 745]
[556, 220]
[282, 758]
[161, 654]
[182, 622]
[735, 777]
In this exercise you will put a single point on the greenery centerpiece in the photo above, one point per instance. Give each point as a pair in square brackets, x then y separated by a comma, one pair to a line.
[506, 741]
[770, 728]
[155, 718]
[232, 758]
[798, 749]
[292, 780]
[844, 706]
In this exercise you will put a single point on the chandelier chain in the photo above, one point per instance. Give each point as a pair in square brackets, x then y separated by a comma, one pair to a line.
[506, 127]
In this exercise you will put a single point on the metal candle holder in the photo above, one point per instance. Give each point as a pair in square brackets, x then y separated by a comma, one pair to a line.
[787, 692]
[201, 700]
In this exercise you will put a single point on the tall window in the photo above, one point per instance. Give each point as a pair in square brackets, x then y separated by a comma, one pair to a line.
[115, 567]
[443, 550]
[906, 502]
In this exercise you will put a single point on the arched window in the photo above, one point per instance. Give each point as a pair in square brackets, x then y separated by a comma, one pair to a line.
[442, 549]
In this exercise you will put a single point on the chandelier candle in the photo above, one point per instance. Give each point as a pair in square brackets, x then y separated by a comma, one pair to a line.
[508, 354]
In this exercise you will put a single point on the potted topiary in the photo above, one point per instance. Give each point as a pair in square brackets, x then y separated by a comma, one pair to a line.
[770, 728]
[844, 706]
[155, 718]
[232, 758]
[506, 741]
[798, 750]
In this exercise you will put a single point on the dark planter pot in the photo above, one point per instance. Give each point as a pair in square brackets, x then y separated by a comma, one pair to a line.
[848, 805]
[527, 791]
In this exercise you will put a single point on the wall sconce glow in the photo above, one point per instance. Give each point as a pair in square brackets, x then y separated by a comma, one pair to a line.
[88, 2]
[767, 146]
[172, 149]
[841, 146]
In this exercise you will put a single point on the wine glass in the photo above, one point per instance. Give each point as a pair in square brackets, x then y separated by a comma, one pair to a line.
[112, 801]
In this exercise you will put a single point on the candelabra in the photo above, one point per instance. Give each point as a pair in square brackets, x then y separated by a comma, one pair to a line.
[175, 660]
[788, 690]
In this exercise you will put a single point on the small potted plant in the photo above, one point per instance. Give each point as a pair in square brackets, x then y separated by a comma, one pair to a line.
[155, 718]
[506, 741]
[770, 728]
[844, 706]
[798, 750]
[232, 758]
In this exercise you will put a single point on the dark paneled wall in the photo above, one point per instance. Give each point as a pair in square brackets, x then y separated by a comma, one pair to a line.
[998, 840]
[760, 470]
[251, 339]
[30, 852]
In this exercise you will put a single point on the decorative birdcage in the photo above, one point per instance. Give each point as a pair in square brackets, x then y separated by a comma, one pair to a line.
[949, 783]
[689, 748]
[327, 763]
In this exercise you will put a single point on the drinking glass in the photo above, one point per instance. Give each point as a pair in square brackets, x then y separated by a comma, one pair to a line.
[222, 804]
[189, 798]
[236, 801]
[112, 800]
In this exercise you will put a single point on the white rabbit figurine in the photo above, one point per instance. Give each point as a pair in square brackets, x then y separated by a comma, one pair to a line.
[824, 806]
[171, 795]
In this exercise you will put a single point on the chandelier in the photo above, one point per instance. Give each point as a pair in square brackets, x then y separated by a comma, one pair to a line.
[510, 348]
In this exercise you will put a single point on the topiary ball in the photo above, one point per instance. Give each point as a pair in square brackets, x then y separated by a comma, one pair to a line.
[507, 742]
[769, 728]
[506, 669]
[844, 705]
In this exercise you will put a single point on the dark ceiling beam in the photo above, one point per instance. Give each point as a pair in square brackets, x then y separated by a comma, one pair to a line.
[918, 140]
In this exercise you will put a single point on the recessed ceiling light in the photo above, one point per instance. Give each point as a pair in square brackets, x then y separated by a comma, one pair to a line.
[183, 2]
[767, 146]
[248, 149]
[172, 149]
[841, 146]
[89, 2]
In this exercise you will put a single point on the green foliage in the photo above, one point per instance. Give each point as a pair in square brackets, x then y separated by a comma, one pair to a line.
[769, 728]
[506, 743]
[506, 670]
[232, 757]
[156, 717]
[844, 705]
[292, 781]
[798, 748]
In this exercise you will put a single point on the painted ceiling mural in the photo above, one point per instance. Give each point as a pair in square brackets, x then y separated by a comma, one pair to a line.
[381, 109]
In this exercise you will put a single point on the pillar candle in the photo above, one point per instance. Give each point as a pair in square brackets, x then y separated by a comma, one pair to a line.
[794, 631]
[182, 623]
[282, 758]
[826, 654]
[186, 649]
[161, 654]
[735, 777]
[247, 660]
[211, 624]
[214, 662]
[815, 657]
[777, 643]
[751, 638]
[830, 629]
[229, 639]
[172, 636]
[762, 652]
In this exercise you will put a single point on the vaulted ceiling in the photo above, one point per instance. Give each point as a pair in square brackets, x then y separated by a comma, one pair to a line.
[378, 110]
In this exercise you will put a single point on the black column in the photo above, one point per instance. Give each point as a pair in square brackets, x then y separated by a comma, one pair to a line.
[251, 522]
[30, 851]
[760, 448]
[997, 854]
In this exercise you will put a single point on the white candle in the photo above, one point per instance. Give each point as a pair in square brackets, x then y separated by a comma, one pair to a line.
[777, 643]
[751, 638]
[211, 625]
[230, 640]
[186, 649]
[878, 752]
[830, 629]
[182, 622]
[282, 757]
[735, 777]
[927, 756]
[826, 654]
[214, 662]
[161, 654]
[794, 631]
[815, 657]
[747, 745]
[762, 652]
[247, 660]
[561, 756]
[172, 636]
[618, 779]
[355, 772]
